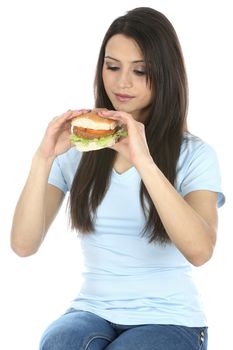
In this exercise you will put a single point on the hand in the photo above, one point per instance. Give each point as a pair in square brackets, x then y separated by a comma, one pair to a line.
[56, 139]
[133, 147]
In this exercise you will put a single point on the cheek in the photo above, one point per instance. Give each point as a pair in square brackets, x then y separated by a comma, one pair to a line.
[147, 95]
[106, 79]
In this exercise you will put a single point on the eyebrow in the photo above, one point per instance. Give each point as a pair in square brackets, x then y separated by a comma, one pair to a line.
[112, 58]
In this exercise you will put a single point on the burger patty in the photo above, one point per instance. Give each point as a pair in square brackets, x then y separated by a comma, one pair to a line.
[90, 134]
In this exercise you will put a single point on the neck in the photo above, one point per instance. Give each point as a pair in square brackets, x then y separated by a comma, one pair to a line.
[121, 164]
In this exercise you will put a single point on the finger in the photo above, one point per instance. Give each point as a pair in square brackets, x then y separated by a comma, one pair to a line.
[62, 117]
[121, 116]
[70, 114]
[107, 113]
[78, 112]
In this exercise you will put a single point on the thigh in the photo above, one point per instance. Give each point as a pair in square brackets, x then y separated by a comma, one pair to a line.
[77, 330]
[161, 337]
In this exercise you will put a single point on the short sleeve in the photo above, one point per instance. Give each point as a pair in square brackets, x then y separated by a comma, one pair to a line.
[203, 173]
[56, 177]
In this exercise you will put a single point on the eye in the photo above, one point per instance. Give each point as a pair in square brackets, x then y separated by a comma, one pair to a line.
[139, 72]
[113, 68]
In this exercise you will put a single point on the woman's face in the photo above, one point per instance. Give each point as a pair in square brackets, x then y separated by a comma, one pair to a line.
[124, 77]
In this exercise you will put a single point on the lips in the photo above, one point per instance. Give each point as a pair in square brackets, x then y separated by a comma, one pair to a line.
[123, 97]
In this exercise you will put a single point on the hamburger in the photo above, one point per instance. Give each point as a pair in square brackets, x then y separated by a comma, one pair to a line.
[91, 132]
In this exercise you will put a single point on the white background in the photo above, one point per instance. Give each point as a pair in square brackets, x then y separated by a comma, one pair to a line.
[48, 57]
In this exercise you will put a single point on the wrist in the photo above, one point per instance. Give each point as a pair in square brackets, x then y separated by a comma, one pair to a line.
[145, 163]
[40, 158]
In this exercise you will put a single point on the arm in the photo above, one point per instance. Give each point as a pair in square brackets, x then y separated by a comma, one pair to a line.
[36, 208]
[190, 222]
[39, 202]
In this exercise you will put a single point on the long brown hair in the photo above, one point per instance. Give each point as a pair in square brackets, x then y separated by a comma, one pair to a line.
[164, 127]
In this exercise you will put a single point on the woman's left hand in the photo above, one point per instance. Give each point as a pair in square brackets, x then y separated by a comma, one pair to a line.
[133, 147]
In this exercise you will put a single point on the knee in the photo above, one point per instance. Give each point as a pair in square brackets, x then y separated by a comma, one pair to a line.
[55, 338]
[49, 341]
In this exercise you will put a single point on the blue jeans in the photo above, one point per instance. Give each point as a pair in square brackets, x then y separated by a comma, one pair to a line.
[81, 330]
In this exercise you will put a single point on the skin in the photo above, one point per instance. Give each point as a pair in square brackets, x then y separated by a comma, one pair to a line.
[193, 228]
[124, 74]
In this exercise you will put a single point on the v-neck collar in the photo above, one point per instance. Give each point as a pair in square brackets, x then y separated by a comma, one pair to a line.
[125, 174]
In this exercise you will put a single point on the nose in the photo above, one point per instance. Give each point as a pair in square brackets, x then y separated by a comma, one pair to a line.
[125, 80]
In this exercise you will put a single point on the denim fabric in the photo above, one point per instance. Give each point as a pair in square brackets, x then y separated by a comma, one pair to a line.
[81, 330]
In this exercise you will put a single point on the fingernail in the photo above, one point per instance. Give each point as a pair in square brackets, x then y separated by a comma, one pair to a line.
[77, 112]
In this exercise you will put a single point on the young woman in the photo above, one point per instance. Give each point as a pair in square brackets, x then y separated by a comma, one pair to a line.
[145, 209]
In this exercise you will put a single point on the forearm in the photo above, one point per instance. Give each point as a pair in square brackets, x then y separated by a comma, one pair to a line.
[192, 235]
[29, 226]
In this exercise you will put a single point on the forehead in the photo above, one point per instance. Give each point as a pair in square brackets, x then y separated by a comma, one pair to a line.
[122, 47]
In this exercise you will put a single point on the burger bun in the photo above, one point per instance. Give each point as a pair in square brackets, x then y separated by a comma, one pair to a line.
[86, 131]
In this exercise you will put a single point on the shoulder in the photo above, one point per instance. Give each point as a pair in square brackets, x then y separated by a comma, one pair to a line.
[193, 148]
[70, 158]
[192, 143]
[198, 167]
[64, 168]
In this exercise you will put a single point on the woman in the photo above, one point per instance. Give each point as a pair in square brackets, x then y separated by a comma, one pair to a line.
[145, 209]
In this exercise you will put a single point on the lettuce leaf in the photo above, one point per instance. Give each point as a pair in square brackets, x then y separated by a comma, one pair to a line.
[102, 141]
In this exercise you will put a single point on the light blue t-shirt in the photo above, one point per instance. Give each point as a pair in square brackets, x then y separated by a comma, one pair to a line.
[126, 279]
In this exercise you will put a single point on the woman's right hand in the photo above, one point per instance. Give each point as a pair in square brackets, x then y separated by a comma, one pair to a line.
[56, 138]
